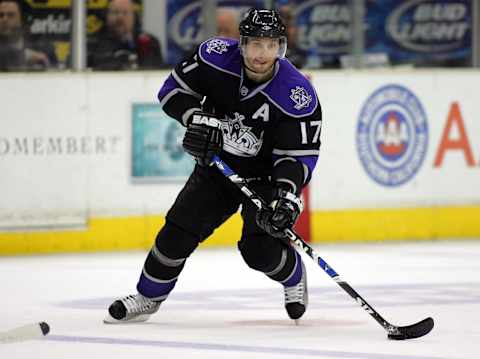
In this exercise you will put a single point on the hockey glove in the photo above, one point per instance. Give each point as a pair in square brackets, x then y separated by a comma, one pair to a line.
[282, 213]
[203, 138]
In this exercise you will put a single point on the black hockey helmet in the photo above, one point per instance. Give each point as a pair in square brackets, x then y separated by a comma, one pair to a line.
[262, 23]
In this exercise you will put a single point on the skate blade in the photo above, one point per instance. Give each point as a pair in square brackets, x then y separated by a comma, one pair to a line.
[139, 319]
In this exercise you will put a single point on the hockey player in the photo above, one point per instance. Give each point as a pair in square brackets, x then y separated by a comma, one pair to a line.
[246, 102]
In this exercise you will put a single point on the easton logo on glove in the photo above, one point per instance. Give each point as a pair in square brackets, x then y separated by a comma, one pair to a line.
[203, 138]
[201, 119]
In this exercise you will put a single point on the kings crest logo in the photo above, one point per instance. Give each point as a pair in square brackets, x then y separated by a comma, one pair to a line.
[301, 97]
[217, 45]
[392, 135]
[239, 139]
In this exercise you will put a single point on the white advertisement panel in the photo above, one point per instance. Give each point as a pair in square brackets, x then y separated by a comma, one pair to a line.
[389, 140]
[398, 139]
[44, 139]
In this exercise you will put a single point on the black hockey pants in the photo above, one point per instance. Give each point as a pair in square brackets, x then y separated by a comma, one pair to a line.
[206, 201]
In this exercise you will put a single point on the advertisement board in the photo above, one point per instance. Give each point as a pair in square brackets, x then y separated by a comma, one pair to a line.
[400, 159]
[420, 32]
[184, 24]
[157, 152]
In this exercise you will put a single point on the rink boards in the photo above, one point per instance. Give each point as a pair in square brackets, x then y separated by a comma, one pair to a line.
[400, 159]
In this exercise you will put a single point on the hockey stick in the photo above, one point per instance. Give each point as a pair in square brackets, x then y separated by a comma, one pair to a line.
[25, 332]
[394, 332]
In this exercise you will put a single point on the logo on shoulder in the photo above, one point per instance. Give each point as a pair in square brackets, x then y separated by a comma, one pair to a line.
[300, 97]
[392, 135]
[216, 45]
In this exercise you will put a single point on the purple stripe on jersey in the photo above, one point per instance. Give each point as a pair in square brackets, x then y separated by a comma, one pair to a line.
[297, 275]
[291, 91]
[169, 85]
[309, 161]
[223, 54]
[151, 289]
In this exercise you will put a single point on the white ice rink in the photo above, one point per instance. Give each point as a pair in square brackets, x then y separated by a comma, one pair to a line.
[222, 309]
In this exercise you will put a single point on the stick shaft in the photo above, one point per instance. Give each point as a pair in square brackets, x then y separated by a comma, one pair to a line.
[300, 244]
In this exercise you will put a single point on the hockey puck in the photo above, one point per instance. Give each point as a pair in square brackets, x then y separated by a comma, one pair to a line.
[44, 327]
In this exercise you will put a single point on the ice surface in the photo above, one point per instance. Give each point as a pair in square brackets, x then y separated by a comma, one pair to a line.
[222, 309]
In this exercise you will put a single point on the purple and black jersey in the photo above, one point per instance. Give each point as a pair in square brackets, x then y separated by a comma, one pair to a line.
[269, 129]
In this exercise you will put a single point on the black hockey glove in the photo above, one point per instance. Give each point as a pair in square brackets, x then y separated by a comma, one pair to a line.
[282, 213]
[203, 138]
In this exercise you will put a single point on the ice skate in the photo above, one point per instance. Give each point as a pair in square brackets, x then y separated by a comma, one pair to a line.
[131, 309]
[296, 297]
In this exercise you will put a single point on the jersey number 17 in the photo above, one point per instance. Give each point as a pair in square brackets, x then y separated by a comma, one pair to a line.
[317, 125]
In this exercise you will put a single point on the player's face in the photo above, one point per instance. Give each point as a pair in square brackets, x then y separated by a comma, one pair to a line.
[10, 19]
[260, 54]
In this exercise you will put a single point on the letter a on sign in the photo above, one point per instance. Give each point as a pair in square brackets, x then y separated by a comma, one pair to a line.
[461, 143]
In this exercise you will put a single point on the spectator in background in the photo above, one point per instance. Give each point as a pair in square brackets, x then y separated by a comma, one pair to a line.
[297, 56]
[227, 23]
[122, 45]
[16, 51]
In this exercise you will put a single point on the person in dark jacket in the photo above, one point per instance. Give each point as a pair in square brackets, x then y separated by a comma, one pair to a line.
[122, 45]
[17, 53]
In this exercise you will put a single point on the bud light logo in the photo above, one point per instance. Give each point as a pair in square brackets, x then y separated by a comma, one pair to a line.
[185, 27]
[430, 26]
[392, 135]
[324, 25]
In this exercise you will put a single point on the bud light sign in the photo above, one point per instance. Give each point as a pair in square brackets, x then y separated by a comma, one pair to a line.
[324, 28]
[392, 135]
[413, 31]
[185, 23]
[428, 29]
[428, 26]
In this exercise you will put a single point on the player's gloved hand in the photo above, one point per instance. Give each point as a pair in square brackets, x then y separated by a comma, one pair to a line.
[282, 213]
[203, 138]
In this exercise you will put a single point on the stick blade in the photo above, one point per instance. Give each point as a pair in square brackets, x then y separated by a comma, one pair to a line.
[412, 331]
[26, 332]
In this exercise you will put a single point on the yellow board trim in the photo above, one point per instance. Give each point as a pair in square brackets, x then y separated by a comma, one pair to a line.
[123, 233]
[105, 234]
[396, 224]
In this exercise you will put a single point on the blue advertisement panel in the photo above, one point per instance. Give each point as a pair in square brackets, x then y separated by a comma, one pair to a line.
[323, 30]
[420, 32]
[157, 152]
[184, 24]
